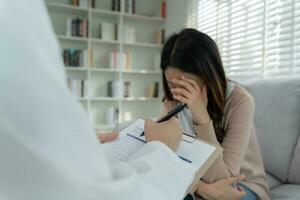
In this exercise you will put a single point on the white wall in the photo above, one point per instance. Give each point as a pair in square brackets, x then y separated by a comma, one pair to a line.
[176, 16]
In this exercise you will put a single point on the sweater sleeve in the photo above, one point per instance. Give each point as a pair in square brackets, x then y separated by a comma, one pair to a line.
[235, 143]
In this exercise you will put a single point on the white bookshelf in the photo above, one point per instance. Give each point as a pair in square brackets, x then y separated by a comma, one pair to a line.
[143, 73]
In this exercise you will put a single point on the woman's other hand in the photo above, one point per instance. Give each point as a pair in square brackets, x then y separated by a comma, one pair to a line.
[105, 137]
[222, 189]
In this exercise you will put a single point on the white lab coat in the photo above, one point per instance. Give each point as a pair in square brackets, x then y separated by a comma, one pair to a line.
[48, 149]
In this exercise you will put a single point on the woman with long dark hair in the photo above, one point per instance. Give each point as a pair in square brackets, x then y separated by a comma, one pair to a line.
[219, 111]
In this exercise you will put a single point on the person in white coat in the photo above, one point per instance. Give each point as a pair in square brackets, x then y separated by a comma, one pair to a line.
[48, 149]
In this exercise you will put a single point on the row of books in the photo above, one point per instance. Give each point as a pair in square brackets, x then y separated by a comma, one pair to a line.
[75, 57]
[84, 58]
[123, 89]
[115, 89]
[123, 61]
[110, 31]
[118, 89]
[116, 59]
[77, 27]
[129, 6]
[84, 3]
[77, 87]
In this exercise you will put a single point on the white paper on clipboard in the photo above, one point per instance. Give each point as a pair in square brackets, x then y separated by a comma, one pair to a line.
[190, 149]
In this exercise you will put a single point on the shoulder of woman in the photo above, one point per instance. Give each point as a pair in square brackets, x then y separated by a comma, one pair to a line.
[240, 96]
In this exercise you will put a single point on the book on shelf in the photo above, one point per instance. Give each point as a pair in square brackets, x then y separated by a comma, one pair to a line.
[116, 5]
[156, 61]
[116, 59]
[84, 3]
[160, 36]
[115, 89]
[77, 87]
[129, 6]
[127, 89]
[77, 27]
[163, 9]
[108, 31]
[128, 34]
[154, 90]
[75, 57]
[118, 89]
[91, 57]
[112, 116]
[111, 32]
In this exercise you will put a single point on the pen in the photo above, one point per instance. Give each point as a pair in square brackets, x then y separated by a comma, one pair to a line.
[170, 114]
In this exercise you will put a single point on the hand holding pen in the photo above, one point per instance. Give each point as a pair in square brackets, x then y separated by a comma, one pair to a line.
[170, 114]
[168, 132]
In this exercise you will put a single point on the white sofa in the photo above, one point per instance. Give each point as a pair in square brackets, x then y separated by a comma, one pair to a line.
[277, 121]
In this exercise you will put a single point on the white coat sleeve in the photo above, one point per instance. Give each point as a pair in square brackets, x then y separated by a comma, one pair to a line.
[48, 149]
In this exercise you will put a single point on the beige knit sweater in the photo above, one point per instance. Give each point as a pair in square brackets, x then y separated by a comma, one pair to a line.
[241, 152]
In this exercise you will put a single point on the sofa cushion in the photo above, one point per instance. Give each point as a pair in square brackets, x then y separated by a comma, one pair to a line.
[272, 181]
[294, 173]
[287, 191]
[277, 124]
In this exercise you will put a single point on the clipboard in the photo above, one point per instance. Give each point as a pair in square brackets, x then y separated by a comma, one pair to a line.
[203, 169]
[196, 152]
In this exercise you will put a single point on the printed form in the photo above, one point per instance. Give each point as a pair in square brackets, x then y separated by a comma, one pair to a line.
[190, 150]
